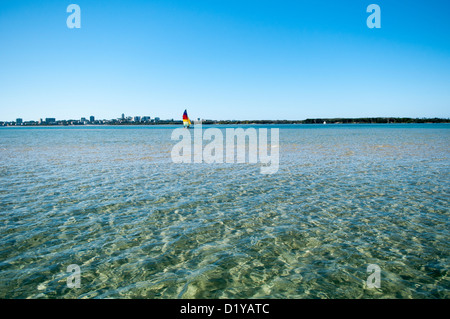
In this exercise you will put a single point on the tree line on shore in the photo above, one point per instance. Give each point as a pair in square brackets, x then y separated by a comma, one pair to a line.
[363, 120]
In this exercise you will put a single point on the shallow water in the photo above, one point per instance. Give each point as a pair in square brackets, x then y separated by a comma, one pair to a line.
[110, 200]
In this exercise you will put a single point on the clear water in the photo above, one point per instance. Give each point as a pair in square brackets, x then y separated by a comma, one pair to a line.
[110, 200]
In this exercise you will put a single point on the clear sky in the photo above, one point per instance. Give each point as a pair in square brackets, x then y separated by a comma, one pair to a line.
[224, 59]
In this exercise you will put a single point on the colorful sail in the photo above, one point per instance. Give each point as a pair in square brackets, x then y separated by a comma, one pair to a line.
[186, 121]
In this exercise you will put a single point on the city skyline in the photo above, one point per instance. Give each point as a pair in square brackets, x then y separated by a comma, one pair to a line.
[157, 120]
[225, 59]
[87, 119]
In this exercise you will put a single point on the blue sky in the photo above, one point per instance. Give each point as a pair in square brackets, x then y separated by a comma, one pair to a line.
[224, 59]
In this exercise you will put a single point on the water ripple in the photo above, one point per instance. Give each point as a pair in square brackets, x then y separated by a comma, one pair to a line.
[139, 226]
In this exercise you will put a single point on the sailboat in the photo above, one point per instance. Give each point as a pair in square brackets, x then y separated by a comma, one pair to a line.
[186, 121]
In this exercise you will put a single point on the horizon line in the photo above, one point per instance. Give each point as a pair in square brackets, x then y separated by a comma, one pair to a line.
[242, 119]
[146, 120]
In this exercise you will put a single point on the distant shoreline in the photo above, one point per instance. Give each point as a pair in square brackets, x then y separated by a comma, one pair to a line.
[366, 120]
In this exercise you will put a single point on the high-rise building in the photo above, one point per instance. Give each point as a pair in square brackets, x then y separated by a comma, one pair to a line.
[19, 121]
[123, 116]
[50, 120]
[91, 119]
[137, 118]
